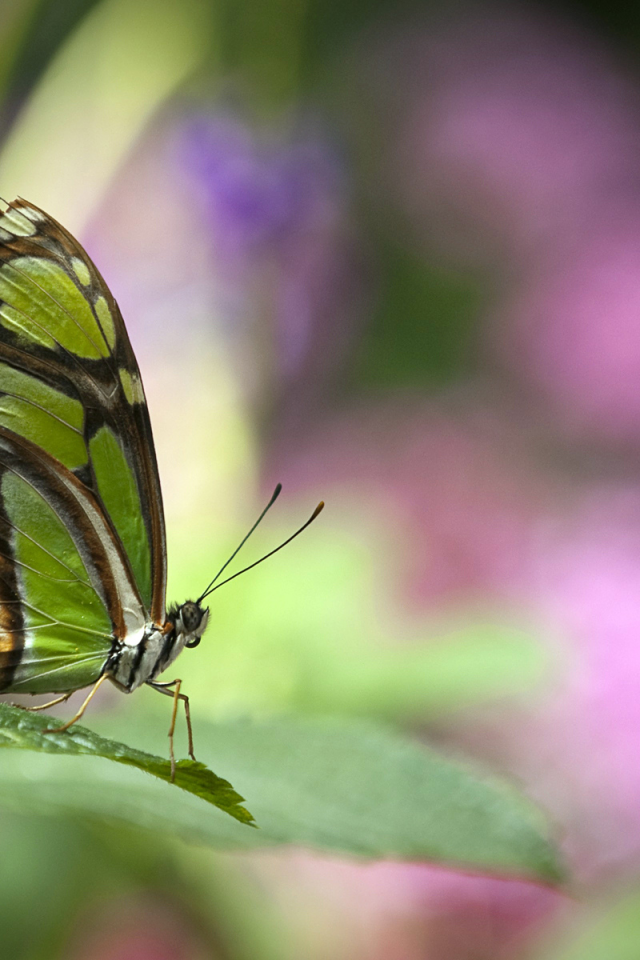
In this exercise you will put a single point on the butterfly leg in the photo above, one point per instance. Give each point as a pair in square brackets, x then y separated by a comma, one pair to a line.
[45, 706]
[165, 688]
[92, 692]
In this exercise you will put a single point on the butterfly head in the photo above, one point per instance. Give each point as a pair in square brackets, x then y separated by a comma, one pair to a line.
[190, 621]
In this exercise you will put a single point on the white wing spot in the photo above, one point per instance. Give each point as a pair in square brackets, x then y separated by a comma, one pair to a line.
[33, 215]
[17, 225]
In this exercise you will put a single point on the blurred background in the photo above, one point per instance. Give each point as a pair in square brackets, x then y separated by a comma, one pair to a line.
[387, 253]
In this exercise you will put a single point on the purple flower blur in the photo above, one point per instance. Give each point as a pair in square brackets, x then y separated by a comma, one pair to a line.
[260, 194]
[277, 214]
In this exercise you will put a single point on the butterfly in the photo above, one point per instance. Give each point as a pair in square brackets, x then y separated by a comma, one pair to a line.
[83, 563]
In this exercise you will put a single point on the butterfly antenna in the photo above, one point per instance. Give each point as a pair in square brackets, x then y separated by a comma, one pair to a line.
[274, 497]
[304, 526]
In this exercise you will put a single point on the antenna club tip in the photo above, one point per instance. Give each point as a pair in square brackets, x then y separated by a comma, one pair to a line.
[276, 493]
[318, 509]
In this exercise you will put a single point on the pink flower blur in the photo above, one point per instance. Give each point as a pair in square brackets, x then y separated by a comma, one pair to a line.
[573, 326]
[519, 122]
[520, 149]
[145, 929]
[408, 911]
[473, 519]
[580, 750]
[456, 487]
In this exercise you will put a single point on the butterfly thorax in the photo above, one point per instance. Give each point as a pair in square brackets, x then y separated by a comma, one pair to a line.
[143, 656]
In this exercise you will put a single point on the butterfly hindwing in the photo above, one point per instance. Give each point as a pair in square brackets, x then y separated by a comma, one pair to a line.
[55, 628]
[82, 548]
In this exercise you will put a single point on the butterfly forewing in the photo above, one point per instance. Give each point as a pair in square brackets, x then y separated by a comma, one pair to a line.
[57, 309]
[72, 409]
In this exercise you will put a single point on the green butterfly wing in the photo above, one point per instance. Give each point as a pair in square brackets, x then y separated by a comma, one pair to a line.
[82, 544]
[55, 627]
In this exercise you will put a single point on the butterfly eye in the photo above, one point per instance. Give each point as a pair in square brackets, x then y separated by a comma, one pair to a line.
[191, 615]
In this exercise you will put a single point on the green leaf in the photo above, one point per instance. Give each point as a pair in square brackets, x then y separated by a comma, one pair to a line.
[19, 728]
[341, 786]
